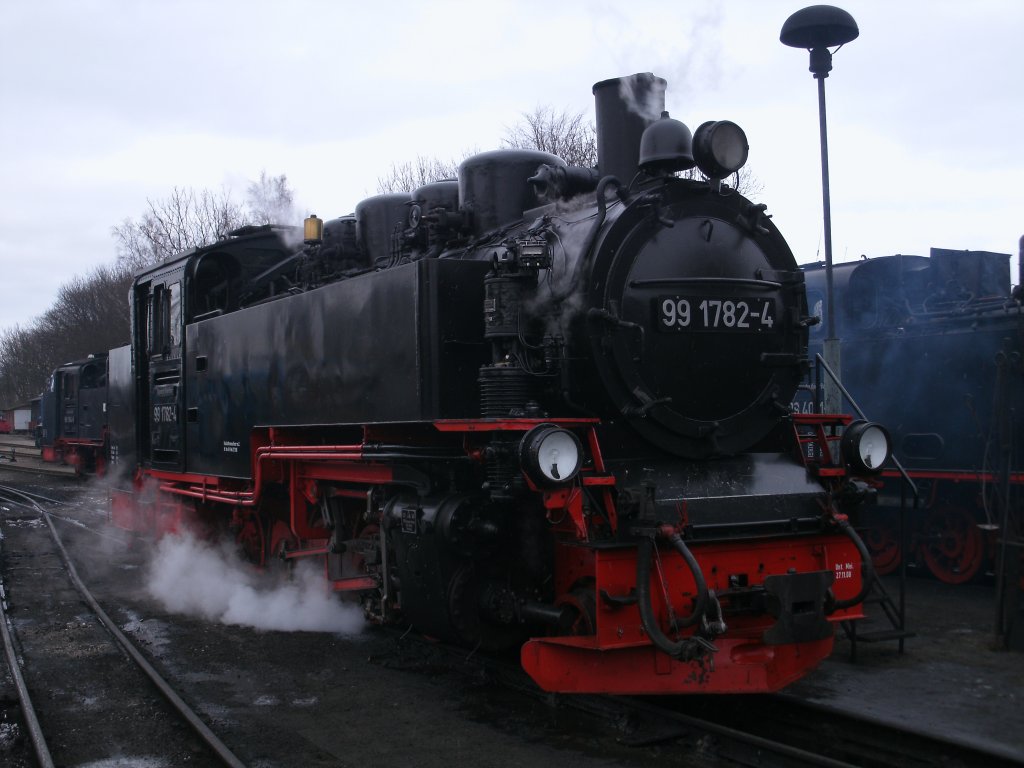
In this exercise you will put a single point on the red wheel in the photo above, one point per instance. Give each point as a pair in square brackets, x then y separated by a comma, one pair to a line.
[281, 537]
[954, 547]
[281, 540]
[74, 459]
[884, 545]
[251, 540]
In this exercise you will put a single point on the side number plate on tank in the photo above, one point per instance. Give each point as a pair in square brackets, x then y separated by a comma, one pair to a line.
[704, 313]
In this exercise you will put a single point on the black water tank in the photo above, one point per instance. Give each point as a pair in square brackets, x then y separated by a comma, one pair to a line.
[378, 220]
[439, 194]
[493, 186]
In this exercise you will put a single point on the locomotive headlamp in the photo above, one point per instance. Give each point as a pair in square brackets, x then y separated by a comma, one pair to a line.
[720, 148]
[550, 455]
[866, 446]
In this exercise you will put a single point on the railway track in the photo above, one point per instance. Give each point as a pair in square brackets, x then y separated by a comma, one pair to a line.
[801, 733]
[772, 731]
[104, 675]
[21, 455]
[679, 731]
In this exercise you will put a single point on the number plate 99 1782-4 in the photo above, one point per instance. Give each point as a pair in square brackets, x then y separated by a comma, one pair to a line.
[702, 313]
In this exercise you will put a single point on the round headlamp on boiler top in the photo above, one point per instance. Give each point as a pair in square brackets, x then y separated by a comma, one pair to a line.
[866, 446]
[720, 148]
[550, 455]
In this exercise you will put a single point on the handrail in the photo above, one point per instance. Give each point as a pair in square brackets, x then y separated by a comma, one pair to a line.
[907, 482]
[822, 365]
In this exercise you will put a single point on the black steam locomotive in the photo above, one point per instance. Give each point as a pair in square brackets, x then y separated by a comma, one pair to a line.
[537, 406]
[73, 415]
[932, 349]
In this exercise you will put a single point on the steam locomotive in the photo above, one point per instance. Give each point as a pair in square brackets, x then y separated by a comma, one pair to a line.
[538, 407]
[73, 419]
[950, 330]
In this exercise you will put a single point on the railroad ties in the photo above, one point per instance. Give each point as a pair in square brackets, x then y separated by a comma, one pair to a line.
[80, 668]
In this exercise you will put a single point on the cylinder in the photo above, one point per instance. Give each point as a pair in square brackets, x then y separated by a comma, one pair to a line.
[379, 220]
[439, 194]
[494, 186]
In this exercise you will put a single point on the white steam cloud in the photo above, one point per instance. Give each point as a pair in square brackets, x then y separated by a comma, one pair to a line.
[642, 96]
[201, 579]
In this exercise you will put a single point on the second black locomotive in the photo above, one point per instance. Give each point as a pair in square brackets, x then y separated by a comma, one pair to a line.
[931, 347]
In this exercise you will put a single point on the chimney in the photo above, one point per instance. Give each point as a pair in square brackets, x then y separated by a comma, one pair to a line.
[625, 106]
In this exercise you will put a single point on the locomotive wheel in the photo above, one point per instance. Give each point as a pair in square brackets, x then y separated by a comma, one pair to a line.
[74, 460]
[467, 593]
[884, 545]
[281, 539]
[251, 540]
[954, 548]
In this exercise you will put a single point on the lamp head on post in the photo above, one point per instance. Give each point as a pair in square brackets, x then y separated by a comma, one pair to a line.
[817, 28]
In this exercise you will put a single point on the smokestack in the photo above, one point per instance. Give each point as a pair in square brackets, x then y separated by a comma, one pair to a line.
[625, 106]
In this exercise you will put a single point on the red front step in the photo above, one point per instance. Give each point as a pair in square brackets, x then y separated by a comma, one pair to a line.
[576, 665]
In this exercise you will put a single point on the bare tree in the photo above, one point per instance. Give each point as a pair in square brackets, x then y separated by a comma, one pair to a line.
[407, 176]
[565, 134]
[90, 315]
[190, 219]
[270, 201]
[747, 184]
[186, 219]
[22, 375]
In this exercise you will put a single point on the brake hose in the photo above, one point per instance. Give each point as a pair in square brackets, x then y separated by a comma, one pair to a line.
[643, 593]
[867, 568]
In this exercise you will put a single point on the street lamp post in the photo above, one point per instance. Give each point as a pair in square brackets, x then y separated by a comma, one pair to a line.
[817, 28]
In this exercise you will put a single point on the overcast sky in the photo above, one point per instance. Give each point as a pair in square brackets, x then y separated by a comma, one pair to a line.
[106, 104]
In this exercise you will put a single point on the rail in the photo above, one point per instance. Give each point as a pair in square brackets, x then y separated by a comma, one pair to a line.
[28, 711]
[220, 750]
